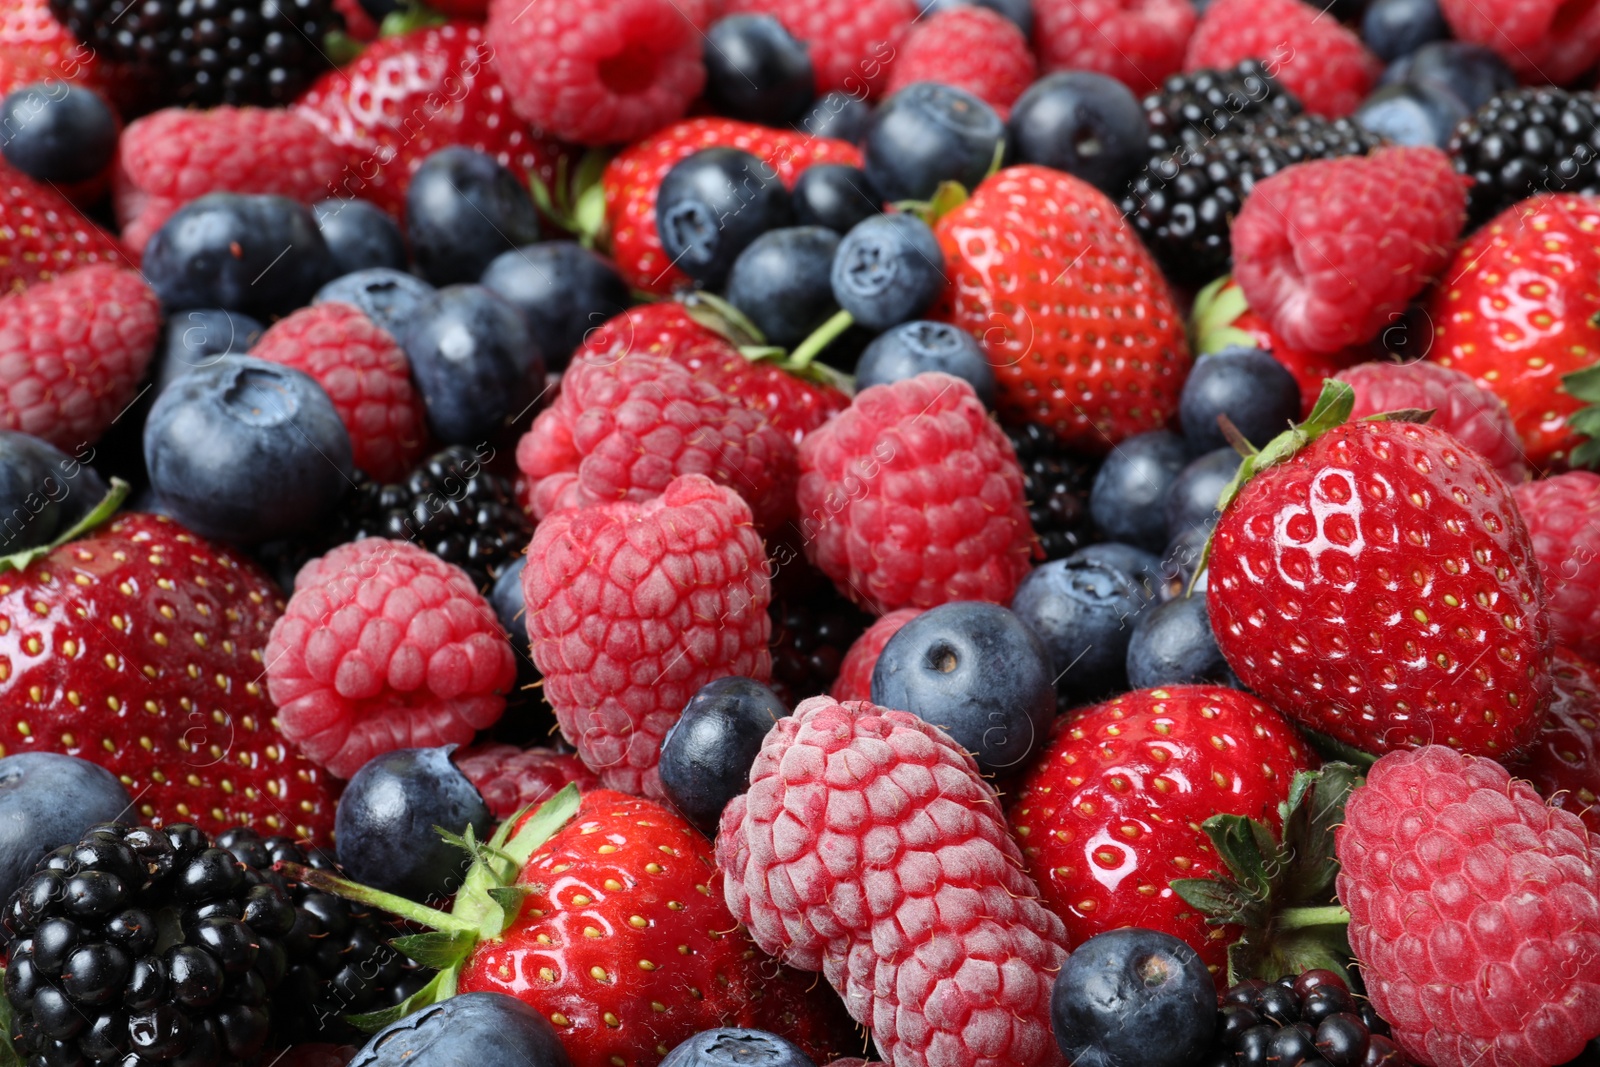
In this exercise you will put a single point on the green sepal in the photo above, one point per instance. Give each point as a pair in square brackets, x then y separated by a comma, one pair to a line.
[1290, 952]
[1216, 308]
[1211, 897]
[1314, 808]
[576, 204]
[8, 1054]
[1417, 416]
[18, 561]
[946, 198]
[442, 987]
[340, 47]
[437, 948]
[721, 317]
[414, 16]
[507, 853]
[1585, 385]
[510, 899]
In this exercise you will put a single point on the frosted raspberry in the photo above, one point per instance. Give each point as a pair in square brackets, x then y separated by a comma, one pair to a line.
[511, 778]
[365, 372]
[383, 646]
[972, 48]
[597, 71]
[1564, 764]
[1475, 417]
[855, 673]
[72, 351]
[1323, 64]
[869, 848]
[1563, 519]
[853, 42]
[1544, 41]
[912, 497]
[1330, 252]
[622, 430]
[1137, 42]
[632, 608]
[1474, 911]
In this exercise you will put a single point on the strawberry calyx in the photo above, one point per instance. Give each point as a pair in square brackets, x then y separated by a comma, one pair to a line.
[488, 903]
[1280, 887]
[415, 15]
[1211, 322]
[97, 516]
[1585, 422]
[727, 321]
[577, 205]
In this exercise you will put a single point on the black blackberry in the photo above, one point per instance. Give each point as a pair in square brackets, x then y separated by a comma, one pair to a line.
[1309, 1018]
[811, 632]
[1195, 107]
[208, 52]
[1056, 486]
[1184, 201]
[1526, 141]
[340, 960]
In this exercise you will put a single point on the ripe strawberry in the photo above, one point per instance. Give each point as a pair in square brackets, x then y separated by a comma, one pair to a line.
[633, 178]
[1109, 815]
[1516, 311]
[140, 647]
[42, 235]
[1078, 321]
[35, 46]
[1375, 581]
[1475, 912]
[410, 95]
[1564, 764]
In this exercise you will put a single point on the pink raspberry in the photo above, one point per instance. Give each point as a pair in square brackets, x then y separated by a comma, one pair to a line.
[1542, 40]
[72, 351]
[1323, 64]
[853, 42]
[1475, 417]
[1473, 910]
[175, 155]
[512, 778]
[365, 373]
[972, 48]
[598, 71]
[1563, 519]
[633, 607]
[1137, 42]
[622, 429]
[912, 496]
[855, 673]
[1330, 252]
[383, 646]
[1564, 763]
[869, 848]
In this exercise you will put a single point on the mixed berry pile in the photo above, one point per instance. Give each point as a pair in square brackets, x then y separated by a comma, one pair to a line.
[799, 533]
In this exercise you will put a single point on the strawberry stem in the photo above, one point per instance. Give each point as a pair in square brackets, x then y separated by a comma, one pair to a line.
[392, 903]
[820, 338]
[1300, 918]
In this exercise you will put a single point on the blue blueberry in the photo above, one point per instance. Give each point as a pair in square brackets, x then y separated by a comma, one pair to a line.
[48, 800]
[1083, 610]
[757, 71]
[1133, 998]
[736, 1047]
[463, 209]
[467, 1030]
[389, 297]
[1182, 559]
[1411, 114]
[1471, 73]
[929, 133]
[360, 235]
[43, 492]
[505, 596]
[198, 338]
[889, 269]
[473, 362]
[1143, 567]
[1395, 28]
[920, 346]
[1192, 501]
[839, 115]
[1173, 645]
[712, 205]
[247, 451]
[1256, 392]
[562, 290]
[835, 195]
[1126, 498]
[55, 132]
[706, 756]
[978, 672]
[1018, 11]
[781, 282]
[384, 824]
[1084, 123]
[262, 255]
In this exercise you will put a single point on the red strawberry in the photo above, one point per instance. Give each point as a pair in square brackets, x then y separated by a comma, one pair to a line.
[1564, 764]
[140, 647]
[35, 46]
[1077, 319]
[1375, 581]
[633, 178]
[410, 95]
[42, 235]
[1110, 813]
[1517, 312]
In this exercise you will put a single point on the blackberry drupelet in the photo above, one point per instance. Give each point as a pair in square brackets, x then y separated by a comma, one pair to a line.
[811, 632]
[1183, 203]
[138, 946]
[340, 962]
[208, 52]
[1309, 1018]
[1056, 485]
[1526, 141]
[1193, 108]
